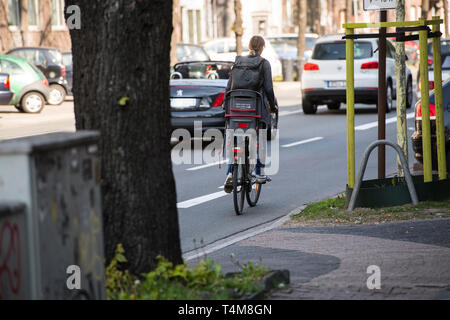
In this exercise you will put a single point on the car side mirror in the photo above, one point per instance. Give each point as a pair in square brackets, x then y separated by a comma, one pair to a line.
[406, 57]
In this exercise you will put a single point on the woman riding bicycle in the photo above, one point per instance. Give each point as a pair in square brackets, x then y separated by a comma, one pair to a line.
[256, 46]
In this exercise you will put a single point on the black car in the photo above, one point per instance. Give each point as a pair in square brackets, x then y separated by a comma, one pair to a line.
[67, 62]
[197, 91]
[5, 89]
[49, 61]
[417, 135]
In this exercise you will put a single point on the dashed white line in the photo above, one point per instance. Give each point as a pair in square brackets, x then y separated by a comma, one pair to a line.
[208, 165]
[199, 200]
[301, 142]
[374, 124]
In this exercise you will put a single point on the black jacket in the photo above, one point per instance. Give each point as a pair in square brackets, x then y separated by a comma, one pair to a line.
[266, 89]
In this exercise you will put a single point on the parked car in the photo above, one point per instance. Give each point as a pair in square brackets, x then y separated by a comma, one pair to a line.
[197, 92]
[49, 61]
[5, 89]
[324, 76]
[286, 45]
[29, 85]
[68, 63]
[191, 52]
[416, 137]
[445, 61]
[224, 49]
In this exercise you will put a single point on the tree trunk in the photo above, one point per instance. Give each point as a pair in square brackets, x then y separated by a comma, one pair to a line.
[348, 11]
[238, 26]
[400, 75]
[446, 25]
[176, 34]
[23, 7]
[6, 42]
[302, 19]
[121, 88]
[426, 12]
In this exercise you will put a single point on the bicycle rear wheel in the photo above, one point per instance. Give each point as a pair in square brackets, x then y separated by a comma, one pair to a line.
[253, 189]
[238, 188]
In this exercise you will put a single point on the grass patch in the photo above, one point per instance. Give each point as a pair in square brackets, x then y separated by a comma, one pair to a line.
[331, 211]
[181, 282]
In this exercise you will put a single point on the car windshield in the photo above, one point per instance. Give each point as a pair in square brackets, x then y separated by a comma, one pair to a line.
[446, 62]
[191, 53]
[336, 51]
[202, 70]
[292, 42]
[55, 56]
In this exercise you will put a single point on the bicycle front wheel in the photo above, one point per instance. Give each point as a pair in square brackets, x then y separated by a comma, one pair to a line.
[238, 188]
[253, 189]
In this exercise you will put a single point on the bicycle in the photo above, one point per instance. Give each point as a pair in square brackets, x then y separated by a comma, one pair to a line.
[243, 111]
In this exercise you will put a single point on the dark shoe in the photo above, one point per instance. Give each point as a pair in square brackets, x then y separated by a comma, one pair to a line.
[262, 179]
[228, 184]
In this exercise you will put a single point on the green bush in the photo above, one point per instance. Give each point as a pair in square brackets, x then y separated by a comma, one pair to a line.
[181, 282]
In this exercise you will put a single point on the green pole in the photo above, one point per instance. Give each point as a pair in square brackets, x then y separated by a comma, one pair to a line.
[440, 137]
[350, 109]
[425, 100]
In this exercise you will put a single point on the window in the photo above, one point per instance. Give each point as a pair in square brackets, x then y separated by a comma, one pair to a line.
[58, 13]
[10, 67]
[33, 13]
[336, 51]
[13, 13]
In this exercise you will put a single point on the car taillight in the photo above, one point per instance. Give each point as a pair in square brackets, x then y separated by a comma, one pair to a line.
[430, 85]
[430, 62]
[219, 100]
[63, 72]
[44, 82]
[310, 67]
[418, 111]
[6, 83]
[370, 65]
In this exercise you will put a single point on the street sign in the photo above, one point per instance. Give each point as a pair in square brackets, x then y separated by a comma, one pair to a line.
[379, 4]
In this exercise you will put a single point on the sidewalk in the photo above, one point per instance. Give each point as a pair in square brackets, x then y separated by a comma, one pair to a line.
[331, 262]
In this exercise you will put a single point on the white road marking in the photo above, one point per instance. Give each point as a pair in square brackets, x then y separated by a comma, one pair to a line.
[287, 113]
[199, 200]
[208, 165]
[301, 142]
[374, 124]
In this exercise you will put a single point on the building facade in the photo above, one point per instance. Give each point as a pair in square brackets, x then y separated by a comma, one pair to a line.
[33, 23]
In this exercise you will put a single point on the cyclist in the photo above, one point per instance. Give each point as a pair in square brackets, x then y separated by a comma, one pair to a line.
[256, 46]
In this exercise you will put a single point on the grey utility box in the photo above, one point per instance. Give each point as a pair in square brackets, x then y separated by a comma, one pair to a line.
[56, 178]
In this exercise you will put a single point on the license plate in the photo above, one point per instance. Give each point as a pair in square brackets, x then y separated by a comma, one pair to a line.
[336, 84]
[183, 102]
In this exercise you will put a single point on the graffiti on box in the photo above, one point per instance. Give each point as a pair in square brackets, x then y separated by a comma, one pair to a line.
[10, 267]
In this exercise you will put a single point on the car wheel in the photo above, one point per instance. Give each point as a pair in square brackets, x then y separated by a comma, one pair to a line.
[33, 102]
[409, 93]
[389, 98]
[334, 106]
[308, 107]
[57, 95]
[272, 129]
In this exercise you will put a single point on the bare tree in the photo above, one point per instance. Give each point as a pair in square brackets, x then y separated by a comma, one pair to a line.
[6, 41]
[446, 25]
[121, 60]
[176, 34]
[237, 27]
[400, 76]
[348, 11]
[302, 19]
[426, 12]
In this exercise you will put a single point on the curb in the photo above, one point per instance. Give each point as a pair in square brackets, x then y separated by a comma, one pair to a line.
[269, 283]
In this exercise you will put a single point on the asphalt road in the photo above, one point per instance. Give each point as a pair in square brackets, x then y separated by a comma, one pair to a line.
[312, 165]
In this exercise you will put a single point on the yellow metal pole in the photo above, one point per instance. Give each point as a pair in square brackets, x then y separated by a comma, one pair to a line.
[440, 137]
[425, 100]
[350, 109]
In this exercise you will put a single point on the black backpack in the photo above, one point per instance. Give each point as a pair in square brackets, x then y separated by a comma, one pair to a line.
[247, 73]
